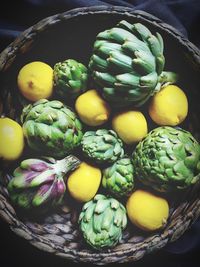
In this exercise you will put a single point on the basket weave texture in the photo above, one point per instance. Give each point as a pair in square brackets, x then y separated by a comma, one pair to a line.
[58, 232]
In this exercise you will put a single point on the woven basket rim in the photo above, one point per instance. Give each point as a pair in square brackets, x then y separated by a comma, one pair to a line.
[8, 55]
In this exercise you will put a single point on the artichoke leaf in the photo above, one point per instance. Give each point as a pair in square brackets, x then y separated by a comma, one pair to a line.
[99, 61]
[36, 165]
[149, 80]
[114, 204]
[105, 78]
[117, 35]
[144, 67]
[89, 212]
[106, 48]
[118, 217]
[24, 180]
[160, 39]
[132, 47]
[128, 79]
[118, 149]
[154, 45]
[44, 193]
[160, 63]
[142, 31]
[107, 219]
[43, 177]
[23, 200]
[75, 85]
[101, 205]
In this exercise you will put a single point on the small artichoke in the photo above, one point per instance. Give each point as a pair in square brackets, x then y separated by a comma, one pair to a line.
[103, 146]
[167, 159]
[40, 181]
[70, 78]
[51, 127]
[102, 221]
[118, 179]
[127, 64]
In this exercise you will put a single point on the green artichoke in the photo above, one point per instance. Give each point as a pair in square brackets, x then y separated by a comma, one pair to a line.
[167, 159]
[127, 64]
[102, 221]
[40, 181]
[103, 146]
[70, 78]
[51, 127]
[119, 178]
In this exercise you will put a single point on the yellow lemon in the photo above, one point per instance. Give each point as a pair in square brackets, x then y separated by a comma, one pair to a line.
[92, 109]
[131, 126]
[169, 106]
[11, 139]
[147, 211]
[84, 182]
[35, 80]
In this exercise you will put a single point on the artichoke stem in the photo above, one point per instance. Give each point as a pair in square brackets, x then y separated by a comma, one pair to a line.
[67, 164]
[167, 77]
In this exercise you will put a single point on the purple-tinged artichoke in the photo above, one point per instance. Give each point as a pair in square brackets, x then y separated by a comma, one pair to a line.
[37, 182]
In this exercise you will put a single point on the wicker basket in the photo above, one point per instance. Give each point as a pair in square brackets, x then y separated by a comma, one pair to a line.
[71, 35]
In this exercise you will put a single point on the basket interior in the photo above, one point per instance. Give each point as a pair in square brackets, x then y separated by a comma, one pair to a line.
[73, 38]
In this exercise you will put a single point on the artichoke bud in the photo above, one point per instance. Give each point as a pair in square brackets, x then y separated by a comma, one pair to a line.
[167, 159]
[129, 49]
[40, 181]
[102, 221]
[51, 127]
[70, 78]
[102, 146]
[118, 178]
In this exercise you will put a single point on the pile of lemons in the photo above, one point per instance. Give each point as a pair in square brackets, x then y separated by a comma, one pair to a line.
[169, 106]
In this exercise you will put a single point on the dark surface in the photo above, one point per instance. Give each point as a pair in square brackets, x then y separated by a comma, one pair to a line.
[182, 14]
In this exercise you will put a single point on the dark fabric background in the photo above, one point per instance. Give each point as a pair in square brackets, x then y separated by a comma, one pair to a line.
[183, 15]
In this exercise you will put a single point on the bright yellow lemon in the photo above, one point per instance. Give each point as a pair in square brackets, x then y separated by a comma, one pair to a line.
[147, 211]
[11, 139]
[131, 126]
[35, 81]
[92, 109]
[84, 182]
[169, 106]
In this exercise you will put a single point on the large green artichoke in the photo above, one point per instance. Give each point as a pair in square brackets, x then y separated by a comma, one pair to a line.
[167, 159]
[102, 146]
[70, 78]
[102, 221]
[51, 128]
[127, 64]
[119, 177]
[40, 181]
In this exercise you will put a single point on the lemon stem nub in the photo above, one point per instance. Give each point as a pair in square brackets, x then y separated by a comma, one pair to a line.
[102, 117]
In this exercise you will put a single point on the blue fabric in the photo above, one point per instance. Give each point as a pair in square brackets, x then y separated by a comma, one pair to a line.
[182, 14]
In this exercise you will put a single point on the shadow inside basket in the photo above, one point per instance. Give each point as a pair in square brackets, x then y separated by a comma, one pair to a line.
[68, 40]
